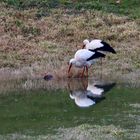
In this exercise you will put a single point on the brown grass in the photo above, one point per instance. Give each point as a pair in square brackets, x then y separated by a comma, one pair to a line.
[48, 43]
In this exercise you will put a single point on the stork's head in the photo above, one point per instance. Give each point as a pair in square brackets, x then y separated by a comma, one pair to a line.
[72, 61]
[85, 42]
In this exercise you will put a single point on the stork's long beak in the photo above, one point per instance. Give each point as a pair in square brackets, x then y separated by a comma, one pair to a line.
[83, 46]
[69, 68]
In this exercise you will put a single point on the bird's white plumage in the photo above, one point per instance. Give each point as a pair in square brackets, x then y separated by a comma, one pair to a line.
[80, 58]
[94, 90]
[85, 102]
[81, 99]
[83, 54]
[84, 58]
[94, 44]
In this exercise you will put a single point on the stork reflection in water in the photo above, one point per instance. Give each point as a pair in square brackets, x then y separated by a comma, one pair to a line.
[87, 93]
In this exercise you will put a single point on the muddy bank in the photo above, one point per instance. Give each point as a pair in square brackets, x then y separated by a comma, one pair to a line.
[27, 79]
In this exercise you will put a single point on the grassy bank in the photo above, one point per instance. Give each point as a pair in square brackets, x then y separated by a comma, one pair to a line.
[36, 36]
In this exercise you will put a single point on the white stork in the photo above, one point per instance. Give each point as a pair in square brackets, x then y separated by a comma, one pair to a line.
[98, 45]
[84, 58]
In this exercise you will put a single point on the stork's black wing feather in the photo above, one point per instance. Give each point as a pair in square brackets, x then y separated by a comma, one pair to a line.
[106, 87]
[95, 55]
[106, 47]
[96, 99]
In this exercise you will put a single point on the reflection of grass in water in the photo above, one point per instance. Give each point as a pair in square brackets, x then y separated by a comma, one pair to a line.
[85, 131]
[30, 111]
[42, 112]
[137, 105]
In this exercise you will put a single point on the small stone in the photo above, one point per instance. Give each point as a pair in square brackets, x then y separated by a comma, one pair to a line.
[48, 77]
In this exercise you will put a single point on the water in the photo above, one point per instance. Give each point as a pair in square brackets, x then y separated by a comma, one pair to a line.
[69, 109]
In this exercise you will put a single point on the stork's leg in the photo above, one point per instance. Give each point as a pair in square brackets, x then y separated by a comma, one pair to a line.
[83, 72]
[86, 71]
[85, 84]
[70, 66]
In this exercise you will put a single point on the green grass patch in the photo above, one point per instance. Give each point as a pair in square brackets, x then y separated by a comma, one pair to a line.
[126, 7]
[129, 8]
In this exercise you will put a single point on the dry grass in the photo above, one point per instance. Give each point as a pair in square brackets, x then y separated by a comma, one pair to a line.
[48, 43]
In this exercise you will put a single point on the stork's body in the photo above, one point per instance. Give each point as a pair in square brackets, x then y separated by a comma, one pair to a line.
[84, 58]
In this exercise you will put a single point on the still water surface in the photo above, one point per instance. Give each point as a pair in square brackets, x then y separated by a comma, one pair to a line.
[69, 109]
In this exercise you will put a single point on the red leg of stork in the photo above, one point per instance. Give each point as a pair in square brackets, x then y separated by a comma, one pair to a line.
[83, 72]
[86, 71]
